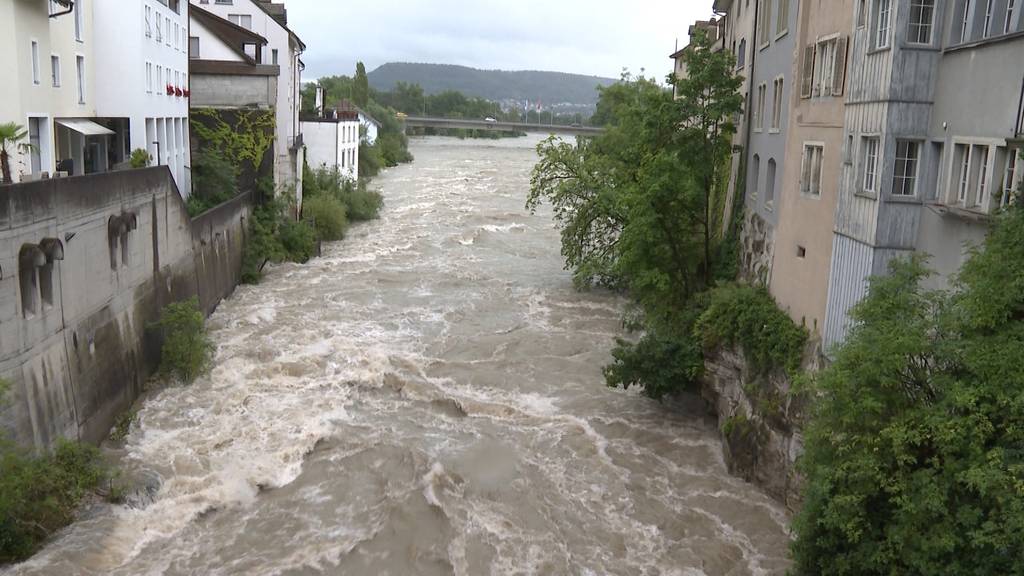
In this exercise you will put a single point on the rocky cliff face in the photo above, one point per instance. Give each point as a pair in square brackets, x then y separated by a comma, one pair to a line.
[760, 420]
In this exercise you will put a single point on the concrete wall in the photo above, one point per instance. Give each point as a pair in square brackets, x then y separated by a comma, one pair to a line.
[226, 91]
[127, 248]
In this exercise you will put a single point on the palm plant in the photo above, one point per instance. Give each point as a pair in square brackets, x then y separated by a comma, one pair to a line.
[11, 134]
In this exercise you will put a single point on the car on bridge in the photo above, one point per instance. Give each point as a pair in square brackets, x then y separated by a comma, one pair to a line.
[489, 119]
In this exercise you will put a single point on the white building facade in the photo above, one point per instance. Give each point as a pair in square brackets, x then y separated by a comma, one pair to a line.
[143, 81]
[283, 49]
[333, 144]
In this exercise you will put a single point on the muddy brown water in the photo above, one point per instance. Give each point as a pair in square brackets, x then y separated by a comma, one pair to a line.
[426, 398]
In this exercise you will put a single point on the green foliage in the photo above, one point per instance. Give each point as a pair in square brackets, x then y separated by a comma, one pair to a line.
[214, 180]
[187, 351]
[298, 240]
[39, 494]
[140, 158]
[274, 236]
[371, 160]
[360, 203]
[661, 365]
[327, 216]
[11, 135]
[361, 86]
[242, 135]
[123, 425]
[749, 317]
[913, 454]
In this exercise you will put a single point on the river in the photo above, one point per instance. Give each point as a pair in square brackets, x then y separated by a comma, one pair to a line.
[426, 398]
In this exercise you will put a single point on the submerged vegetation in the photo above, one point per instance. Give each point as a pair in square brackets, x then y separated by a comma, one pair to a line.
[187, 351]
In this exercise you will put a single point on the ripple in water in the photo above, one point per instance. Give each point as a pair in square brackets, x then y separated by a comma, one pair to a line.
[427, 399]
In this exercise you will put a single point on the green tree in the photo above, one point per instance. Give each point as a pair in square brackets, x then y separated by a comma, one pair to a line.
[914, 459]
[11, 136]
[187, 351]
[361, 86]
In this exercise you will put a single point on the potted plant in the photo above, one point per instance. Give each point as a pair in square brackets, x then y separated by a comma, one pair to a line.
[170, 90]
[177, 92]
[11, 134]
[140, 158]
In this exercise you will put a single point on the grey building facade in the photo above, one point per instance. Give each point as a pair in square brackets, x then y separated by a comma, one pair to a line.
[932, 122]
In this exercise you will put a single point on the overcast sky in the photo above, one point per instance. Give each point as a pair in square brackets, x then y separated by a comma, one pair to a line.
[597, 37]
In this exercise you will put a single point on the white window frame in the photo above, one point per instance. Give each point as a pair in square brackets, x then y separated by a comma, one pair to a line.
[870, 163]
[964, 181]
[812, 163]
[765, 25]
[167, 32]
[159, 28]
[965, 24]
[883, 26]
[981, 187]
[826, 55]
[1011, 10]
[149, 22]
[1011, 176]
[80, 75]
[762, 95]
[149, 77]
[778, 91]
[990, 7]
[921, 26]
[34, 56]
[782, 18]
[769, 183]
[907, 176]
[55, 71]
[79, 24]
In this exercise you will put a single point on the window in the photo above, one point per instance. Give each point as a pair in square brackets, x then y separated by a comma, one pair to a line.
[807, 73]
[963, 152]
[1011, 10]
[159, 78]
[904, 178]
[177, 37]
[167, 30]
[55, 70]
[243, 20]
[777, 104]
[810, 169]
[741, 57]
[756, 180]
[149, 77]
[35, 62]
[762, 91]
[78, 19]
[870, 165]
[193, 47]
[988, 18]
[826, 56]
[769, 185]
[965, 21]
[764, 24]
[1013, 172]
[862, 13]
[159, 29]
[922, 15]
[273, 56]
[149, 25]
[981, 186]
[782, 23]
[80, 69]
[35, 132]
[882, 27]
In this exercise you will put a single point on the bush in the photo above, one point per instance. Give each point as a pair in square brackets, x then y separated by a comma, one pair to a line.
[913, 452]
[360, 203]
[663, 366]
[187, 350]
[214, 181]
[327, 216]
[371, 160]
[140, 158]
[39, 494]
[298, 240]
[749, 317]
[394, 148]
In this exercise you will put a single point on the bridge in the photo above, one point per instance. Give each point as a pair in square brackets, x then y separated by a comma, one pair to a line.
[423, 122]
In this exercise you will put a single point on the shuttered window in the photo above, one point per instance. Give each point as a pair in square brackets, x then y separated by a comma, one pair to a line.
[839, 77]
[807, 76]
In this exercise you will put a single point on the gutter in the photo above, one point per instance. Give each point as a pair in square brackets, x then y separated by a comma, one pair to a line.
[71, 8]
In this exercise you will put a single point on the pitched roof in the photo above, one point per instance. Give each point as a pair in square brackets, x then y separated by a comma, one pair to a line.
[279, 14]
[233, 35]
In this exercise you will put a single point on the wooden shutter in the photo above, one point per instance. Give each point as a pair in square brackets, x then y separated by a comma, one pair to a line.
[839, 79]
[807, 78]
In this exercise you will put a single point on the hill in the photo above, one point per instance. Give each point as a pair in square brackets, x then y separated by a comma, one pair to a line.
[498, 85]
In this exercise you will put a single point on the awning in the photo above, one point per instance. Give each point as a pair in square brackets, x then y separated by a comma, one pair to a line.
[85, 127]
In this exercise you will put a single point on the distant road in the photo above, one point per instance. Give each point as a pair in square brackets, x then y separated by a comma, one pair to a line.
[422, 122]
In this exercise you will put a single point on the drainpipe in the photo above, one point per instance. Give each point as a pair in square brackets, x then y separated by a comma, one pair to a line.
[71, 8]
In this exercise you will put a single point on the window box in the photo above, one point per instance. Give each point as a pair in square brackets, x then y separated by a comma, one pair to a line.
[170, 90]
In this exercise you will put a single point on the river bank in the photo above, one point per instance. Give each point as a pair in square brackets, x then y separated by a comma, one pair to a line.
[425, 398]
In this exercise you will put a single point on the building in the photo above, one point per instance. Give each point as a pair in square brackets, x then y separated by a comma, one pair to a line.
[283, 49]
[771, 74]
[225, 61]
[332, 141]
[48, 88]
[933, 115]
[370, 127]
[814, 159]
[141, 80]
[709, 27]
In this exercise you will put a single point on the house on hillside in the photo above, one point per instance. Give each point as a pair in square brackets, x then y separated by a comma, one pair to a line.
[283, 49]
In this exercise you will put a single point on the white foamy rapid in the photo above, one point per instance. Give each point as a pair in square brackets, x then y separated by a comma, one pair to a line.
[426, 399]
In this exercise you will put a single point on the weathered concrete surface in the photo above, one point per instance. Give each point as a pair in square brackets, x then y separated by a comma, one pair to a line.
[74, 342]
[760, 420]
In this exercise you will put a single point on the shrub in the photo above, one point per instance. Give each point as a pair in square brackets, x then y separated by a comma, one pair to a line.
[913, 452]
[298, 240]
[360, 203]
[39, 494]
[748, 317]
[140, 158]
[371, 160]
[662, 365]
[187, 350]
[327, 216]
[214, 181]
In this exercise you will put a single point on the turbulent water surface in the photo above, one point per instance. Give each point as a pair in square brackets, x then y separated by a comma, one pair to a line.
[426, 398]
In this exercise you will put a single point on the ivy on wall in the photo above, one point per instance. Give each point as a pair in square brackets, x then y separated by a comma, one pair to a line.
[243, 136]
